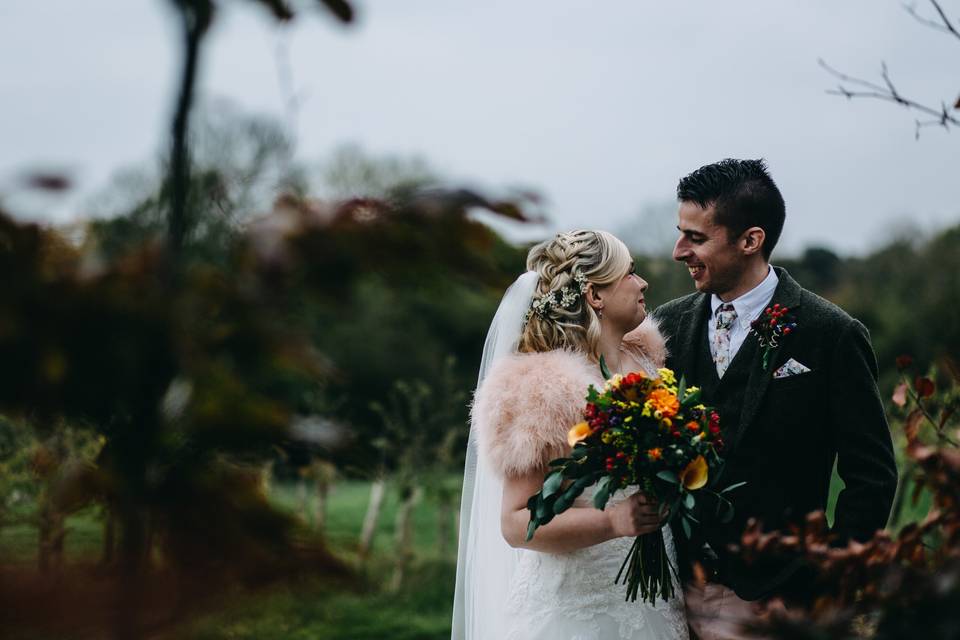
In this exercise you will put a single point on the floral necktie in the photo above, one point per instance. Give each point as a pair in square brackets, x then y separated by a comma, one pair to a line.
[726, 315]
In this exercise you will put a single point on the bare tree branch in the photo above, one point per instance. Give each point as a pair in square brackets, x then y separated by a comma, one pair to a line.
[888, 92]
[944, 25]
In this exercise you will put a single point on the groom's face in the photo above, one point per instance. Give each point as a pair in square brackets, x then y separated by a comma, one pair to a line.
[715, 264]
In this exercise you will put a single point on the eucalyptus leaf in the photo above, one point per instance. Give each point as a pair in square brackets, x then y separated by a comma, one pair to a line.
[686, 527]
[689, 500]
[531, 527]
[734, 486]
[552, 483]
[669, 476]
[562, 504]
[604, 371]
[602, 494]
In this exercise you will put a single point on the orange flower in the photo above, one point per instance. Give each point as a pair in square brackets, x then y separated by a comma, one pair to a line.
[694, 475]
[693, 426]
[664, 401]
[578, 432]
[655, 453]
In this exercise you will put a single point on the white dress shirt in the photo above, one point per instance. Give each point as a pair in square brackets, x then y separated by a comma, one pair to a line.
[749, 306]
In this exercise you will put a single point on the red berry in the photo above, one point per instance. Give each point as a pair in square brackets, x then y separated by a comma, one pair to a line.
[786, 331]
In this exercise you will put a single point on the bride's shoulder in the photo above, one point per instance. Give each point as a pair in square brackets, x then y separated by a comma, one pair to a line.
[646, 343]
[526, 405]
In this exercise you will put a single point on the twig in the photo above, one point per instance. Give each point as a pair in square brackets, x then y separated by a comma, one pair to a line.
[889, 93]
[944, 25]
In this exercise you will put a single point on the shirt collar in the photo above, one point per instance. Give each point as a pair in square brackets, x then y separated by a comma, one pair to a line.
[749, 305]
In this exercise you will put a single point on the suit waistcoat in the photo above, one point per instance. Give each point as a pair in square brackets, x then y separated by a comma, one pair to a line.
[726, 394]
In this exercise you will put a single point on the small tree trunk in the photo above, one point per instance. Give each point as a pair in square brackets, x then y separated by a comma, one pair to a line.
[266, 478]
[320, 508]
[403, 533]
[109, 537]
[377, 491]
[302, 498]
[444, 518]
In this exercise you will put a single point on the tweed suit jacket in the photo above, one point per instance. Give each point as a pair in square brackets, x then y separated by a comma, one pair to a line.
[790, 433]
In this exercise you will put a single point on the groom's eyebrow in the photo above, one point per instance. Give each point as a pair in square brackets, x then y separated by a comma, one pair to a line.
[690, 233]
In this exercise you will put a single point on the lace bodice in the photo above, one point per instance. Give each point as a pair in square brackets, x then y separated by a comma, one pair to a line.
[572, 596]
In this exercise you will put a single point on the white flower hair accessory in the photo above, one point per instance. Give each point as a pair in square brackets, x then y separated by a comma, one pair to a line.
[565, 297]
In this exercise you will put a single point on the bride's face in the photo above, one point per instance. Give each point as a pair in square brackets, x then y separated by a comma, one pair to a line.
[623, 303]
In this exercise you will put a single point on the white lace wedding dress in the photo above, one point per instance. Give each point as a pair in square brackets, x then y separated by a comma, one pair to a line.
[572, 596]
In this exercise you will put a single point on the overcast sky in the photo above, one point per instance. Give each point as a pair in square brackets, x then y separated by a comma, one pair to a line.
[599, 106]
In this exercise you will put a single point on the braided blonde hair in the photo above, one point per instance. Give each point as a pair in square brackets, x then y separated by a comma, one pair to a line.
[602, 259]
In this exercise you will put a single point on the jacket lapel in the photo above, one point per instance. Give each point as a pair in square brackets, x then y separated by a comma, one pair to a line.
[787, 294]
[689, 332]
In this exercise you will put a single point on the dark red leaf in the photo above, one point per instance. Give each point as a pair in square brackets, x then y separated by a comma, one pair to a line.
[279, 9]
[912, 426]
[48, 182]
[904, 362]
[340, 8]
[924, 387]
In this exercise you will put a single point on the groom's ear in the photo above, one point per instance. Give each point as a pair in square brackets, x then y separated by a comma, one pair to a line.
[751, 240]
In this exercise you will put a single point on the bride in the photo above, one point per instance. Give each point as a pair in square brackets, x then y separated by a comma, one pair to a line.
[580, 298]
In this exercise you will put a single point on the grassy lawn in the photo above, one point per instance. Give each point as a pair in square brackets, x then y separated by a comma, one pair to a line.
[420, 610]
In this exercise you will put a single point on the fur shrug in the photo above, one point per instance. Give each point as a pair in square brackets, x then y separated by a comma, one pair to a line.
[527, 403]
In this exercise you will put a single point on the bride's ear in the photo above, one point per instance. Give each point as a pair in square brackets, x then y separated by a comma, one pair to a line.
[593, 298]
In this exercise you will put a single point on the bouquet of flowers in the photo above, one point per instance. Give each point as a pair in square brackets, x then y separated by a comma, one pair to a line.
[644, 432]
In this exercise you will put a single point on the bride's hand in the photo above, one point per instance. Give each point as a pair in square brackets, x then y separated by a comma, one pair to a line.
[635, 516]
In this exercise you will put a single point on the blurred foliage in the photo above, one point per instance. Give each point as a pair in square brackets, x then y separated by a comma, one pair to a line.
[896, 585]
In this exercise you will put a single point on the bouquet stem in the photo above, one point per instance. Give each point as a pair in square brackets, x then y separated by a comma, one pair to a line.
[647, 569]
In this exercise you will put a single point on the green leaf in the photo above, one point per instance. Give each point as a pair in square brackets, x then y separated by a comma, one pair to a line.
[686, 527]
[692, 398]
[682, 389]
[552, 483]
[558, 462]
[563, 503]
[734, 486]
[669, 476]
[531, 527]
[604, 371]
[601, 497]
[689, 501]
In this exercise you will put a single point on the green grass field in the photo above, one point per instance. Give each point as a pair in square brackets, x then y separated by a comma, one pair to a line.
[419, 610]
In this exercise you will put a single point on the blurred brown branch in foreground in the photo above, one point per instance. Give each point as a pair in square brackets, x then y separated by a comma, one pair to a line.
[896, 585]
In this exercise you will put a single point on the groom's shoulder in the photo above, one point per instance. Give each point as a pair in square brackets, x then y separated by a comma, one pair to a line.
[824, 315]
[676, 306]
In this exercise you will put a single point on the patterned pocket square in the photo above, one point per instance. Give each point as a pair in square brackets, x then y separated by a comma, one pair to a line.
[790, 368]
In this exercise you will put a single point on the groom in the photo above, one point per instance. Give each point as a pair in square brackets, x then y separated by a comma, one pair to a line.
[785, 418]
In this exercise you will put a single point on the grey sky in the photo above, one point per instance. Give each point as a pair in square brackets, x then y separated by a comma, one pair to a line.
[599, 106]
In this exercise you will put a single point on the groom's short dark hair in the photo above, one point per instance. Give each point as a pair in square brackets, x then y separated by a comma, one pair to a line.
[743, 194]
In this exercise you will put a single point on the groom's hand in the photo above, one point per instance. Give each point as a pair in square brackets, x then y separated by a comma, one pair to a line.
[637, 515]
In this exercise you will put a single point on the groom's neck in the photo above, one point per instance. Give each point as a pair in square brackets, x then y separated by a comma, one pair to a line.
[752, 276]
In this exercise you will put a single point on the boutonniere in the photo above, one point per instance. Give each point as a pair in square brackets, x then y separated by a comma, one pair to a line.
[772, 325]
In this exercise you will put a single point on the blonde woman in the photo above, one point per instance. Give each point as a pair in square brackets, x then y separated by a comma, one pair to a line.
[579, 300]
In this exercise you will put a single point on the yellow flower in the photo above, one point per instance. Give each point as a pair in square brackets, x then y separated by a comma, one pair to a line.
[578, 432]
[614, 382]
[667, 376]
[694, 476]
[665, 402]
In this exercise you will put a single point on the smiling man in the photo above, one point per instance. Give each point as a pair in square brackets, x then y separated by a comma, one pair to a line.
[795, 396]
